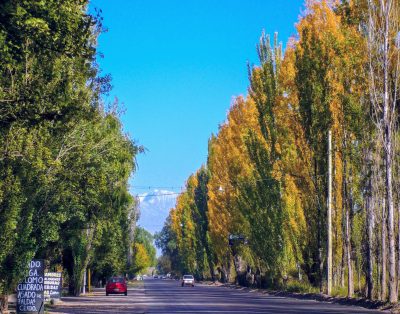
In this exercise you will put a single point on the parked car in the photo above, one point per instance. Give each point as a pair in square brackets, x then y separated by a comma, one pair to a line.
[188, 280]
[116, 285]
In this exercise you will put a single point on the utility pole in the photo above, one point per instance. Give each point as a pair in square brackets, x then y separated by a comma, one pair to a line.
[329, 206]
[84, 282]
[89, 280]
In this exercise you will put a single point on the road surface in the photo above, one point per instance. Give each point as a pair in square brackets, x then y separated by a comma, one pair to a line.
[167, 296]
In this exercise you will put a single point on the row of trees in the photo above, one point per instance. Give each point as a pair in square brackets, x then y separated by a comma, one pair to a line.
[266, 178]
[64, 159]
[144, 252]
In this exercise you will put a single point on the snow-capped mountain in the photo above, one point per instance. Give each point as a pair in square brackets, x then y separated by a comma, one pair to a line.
[154, 208]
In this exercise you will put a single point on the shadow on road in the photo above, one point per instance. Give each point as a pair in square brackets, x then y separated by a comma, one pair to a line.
[165, 296]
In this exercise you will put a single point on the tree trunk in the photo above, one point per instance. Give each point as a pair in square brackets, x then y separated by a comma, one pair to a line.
[350, 283]
[212, 271]
[228, 271]
[258, 277]
[4, 304]
[359, 278]
[80, 270]
[320, 262]
[210, 262]
[131, 235]
[379, 274]
[329, 217]
[386, 8]
[398, 249]
[236, 266]
[389, 204]
[370, 224]
[319, 227]
[347, 204]
[223, 274]
[391, 236]
[342, 266]
[383, 254]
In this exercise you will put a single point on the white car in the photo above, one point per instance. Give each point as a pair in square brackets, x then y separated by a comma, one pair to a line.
[188, 280]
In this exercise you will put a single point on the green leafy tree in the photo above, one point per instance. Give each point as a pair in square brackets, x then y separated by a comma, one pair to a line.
[47, 84]
[65, 163]
[167, 242]
[146, 238]
[141, 259]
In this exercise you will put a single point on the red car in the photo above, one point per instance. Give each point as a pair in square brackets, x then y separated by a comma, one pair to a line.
[116, 285]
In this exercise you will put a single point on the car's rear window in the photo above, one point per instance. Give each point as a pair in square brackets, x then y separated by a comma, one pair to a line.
[187, 277]
[116, 279]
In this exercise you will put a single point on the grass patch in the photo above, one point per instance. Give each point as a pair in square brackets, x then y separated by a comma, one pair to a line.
[339, 291]
[300, 287]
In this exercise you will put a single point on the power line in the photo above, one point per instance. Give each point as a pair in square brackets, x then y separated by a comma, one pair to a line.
[152, 187]
[161, 194]
[145, 187]
[183, 190]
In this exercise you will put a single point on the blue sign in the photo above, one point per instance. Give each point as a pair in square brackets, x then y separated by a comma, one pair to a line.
[30, 292]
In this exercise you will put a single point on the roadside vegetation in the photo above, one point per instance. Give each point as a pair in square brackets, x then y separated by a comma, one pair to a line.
[267, 209]
[144, 252]
[65, 160]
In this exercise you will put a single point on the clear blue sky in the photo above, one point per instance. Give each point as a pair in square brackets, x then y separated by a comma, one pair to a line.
[176, 64]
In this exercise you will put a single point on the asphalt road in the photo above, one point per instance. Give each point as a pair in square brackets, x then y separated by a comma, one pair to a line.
[167, 296]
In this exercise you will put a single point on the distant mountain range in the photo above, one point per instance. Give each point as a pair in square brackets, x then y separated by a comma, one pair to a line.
[154, 209]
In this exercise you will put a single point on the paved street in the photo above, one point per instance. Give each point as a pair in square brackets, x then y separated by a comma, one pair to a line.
[165, 296]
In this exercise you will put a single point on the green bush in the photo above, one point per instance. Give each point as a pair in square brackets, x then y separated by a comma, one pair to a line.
[300, 287]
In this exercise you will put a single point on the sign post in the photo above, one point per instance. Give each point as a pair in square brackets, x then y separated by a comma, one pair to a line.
[30, 292]
[52, 286]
